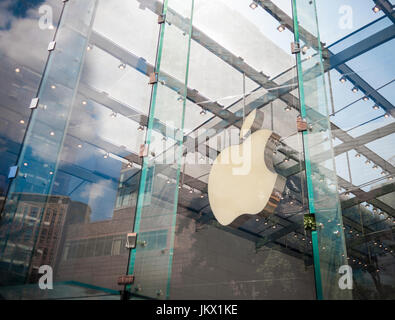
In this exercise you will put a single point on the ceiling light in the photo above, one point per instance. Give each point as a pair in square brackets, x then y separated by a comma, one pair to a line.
[287, 108]
[17, 70]
[305, 48]
[253, 5]
[386, 116]
[375, 167]
[22, 121]
[79, 146]
[113, 115]
[365, 98]
[84, 103]
[52, 133]
[53, 87]
[281, 28]
[376, 107]
[129, 165]
[203, 112]
[106, 155]
[122, 66]
[89, 48]
[140, 128]
[357, 155]
[376, 9]
[355, 89]
[367, 161]
[343, 79]
[202, 196]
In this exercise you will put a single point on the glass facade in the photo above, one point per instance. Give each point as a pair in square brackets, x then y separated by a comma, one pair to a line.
[246, 144]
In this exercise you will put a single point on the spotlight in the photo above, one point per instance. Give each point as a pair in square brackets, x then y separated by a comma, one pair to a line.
[355, 89]
[140, 128]
[343, 79]
[79, 146]
[365, 98]
[203, 112]
[357, 155]
[113, 115]
[376, 107]
[84, 103]
[253, 5]
[129, 165]
[287, 108]
[22, 121]
[386, 116]
[375, 167]
[122, 66]
[376, 9]
[17, 70]
[106, 155]
[281, 28]
[367, 161]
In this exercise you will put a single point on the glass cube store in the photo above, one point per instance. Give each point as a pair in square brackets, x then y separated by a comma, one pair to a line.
[114, 115]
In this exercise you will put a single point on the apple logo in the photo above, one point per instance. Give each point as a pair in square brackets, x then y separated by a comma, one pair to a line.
[242, 180]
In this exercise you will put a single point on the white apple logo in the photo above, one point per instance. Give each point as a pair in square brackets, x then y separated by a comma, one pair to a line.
[242, 181]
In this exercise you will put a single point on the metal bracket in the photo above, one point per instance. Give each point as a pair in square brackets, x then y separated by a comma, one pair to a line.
[161, 18]
[143, 150]
[125, 280]
[51, 46]
[153, 78]
[34, 103]
[301, 124]
[295, 47]
[131, 240]
[13, 172]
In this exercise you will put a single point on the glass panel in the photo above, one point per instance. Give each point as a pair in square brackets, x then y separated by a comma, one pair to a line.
[151, 262]
[329, 251]
[39, 156]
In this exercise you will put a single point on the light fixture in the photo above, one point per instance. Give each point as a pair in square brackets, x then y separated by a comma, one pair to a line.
[25, 164]
[140, 128]
[52, 133]
[365, 98]
[106, 155]
[17, 70]
[253, 5]
[129, 165]
[286, 159]
[191, 191]
[201, 196]
[367, 161]
[122, 66]
[113, 115]
[386, 116]
[376, 107]
[376, 9]
[168, 181]
[203, 112]
[304, 49]
[357, 155]
[84, 103]
[89, 48]
[53, 87]
[22, 121]
[343, 79]
[355, 89]
[281, 28]
[79, 146]
[287, 108]
[375, 167]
